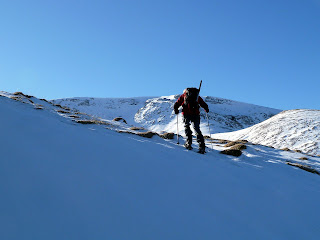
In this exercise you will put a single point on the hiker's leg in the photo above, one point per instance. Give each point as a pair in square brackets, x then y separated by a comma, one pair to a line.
[196, 127]
[188, 132]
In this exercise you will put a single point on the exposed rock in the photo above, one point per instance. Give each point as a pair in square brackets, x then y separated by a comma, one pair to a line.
[238, 146]
[86, 121]
[62, 111]
[122, 131]
[242, 141]
[146, 134]
[16, 99]
[286, 149]
[222, 141]
[167, 135]
[45, 100]
[117, 119]
[74, 116]
[65, 108]
[304, 167]
[91, 121]
[38, 107]
[136, 128]
[22, 94]
[232, 152]
[57, 105]
[230, 144]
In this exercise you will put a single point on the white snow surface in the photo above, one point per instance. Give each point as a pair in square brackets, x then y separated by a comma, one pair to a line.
[63, 180]
[157, 113]
[293, 129]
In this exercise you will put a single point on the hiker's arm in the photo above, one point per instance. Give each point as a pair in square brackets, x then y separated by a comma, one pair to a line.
[178, 103]
[203, 104]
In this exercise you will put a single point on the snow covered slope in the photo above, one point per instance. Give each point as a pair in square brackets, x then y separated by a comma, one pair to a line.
[106, 108]
[157, 113]
[63, 180]
[294, 129]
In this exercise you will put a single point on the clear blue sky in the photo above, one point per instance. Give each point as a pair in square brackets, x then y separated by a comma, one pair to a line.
[265, 52]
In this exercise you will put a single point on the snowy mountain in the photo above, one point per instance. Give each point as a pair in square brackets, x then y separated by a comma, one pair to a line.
[157, 114]
[106, 108]
[294, 129]
[61, 179]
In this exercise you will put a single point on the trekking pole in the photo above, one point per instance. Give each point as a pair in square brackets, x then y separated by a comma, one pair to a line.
[209, 130]
[178, 128]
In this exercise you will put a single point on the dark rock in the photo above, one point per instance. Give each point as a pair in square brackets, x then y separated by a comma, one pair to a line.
[167, 135]
[117, 119]
[232, 152]
[222, 141]
[22, 94]
[62, 111]
[286, 149]
[230, 144]
[303, 167]
[86, 121]
[146, 134]
[136, 128]
[239, 146]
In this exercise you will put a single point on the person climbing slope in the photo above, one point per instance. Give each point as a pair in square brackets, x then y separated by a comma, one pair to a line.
[191, 102]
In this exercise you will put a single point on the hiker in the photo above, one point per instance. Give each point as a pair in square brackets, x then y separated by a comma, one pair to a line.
[191, 102]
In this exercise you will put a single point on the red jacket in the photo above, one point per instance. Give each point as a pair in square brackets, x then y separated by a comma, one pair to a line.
[186, 109]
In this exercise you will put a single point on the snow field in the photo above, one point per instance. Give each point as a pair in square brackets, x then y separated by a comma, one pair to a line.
[62, 180]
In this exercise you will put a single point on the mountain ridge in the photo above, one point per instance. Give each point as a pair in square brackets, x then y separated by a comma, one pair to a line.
[157, 113]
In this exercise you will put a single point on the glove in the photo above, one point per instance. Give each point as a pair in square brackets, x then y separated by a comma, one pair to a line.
[207, 110]
[176, 108]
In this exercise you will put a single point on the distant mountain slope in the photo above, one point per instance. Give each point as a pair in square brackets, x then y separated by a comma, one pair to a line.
[157, 113]
[106, 108]
[293, 129]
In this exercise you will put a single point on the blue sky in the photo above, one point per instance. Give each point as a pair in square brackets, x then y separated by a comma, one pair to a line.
[254, 51]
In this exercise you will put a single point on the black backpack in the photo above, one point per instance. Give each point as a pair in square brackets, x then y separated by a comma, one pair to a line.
[191, 97]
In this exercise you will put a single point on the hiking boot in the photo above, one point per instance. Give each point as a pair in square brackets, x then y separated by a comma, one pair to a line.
[202, 150]
[188, 146]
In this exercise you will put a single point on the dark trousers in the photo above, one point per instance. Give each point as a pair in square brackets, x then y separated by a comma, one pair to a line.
[195, 120]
